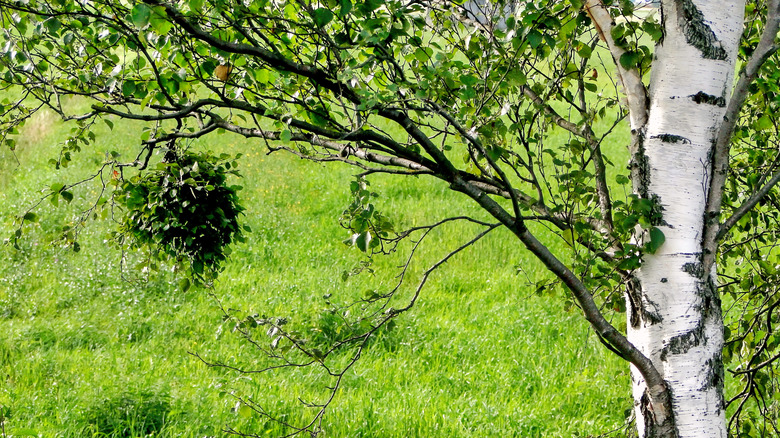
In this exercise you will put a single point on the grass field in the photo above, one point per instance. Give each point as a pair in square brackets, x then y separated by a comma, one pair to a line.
[87, 349]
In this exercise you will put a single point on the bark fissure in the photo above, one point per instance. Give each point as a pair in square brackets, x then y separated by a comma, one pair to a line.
[654, 316]
[634, 299]
[639, 166]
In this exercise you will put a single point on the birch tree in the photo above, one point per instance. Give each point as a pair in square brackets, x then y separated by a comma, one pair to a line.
[510, 104]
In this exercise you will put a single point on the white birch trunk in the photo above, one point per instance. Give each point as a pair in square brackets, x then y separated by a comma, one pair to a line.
[676, 320]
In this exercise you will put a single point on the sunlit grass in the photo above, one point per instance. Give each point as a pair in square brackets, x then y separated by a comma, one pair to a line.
[479, 355]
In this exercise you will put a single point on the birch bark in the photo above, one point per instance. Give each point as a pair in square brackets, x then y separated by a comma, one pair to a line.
[677, 319]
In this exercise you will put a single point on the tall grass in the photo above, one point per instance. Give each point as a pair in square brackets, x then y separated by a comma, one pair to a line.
[91, 348]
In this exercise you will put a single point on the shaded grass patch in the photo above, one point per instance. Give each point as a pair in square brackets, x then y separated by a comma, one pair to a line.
[128, 413]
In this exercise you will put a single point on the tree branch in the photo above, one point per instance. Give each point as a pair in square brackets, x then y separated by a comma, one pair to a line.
[316, 75]
[746, 207]
[634, 88]
[339, 148]
[556, 118]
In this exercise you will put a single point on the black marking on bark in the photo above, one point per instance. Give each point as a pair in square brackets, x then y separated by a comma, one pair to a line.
[656, 217]
[639, 307]
[708, 307]
[711, 300]
[695, 269]
[651, 316]
[697, 32]
[684, 342]
[702, 97]
[664, 280]
[707, 291]
[715, 377]
[671, 138]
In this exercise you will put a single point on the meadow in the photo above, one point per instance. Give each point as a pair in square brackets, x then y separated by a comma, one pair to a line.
[90, 347]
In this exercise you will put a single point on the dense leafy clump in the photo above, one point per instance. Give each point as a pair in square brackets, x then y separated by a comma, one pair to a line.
[184, 209]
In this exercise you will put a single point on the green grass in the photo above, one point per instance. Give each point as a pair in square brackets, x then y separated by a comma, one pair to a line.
[87, 349]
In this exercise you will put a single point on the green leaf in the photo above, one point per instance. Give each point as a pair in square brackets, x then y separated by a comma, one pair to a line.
[196, 5]
[67, 196]
[346, 8]
[567, 28]
[584, 51]
[285, 136]
[764, 123]
[140, 14]
[31, 217]
[630, 60]
[262, 76]
[159, 21]
[517, 78]
[245, 411]
[534, 38]
[423, 55]
[656, 240]
[53, 25]
[469, 80]
[629, 263]
[570, 236]
[322, 16]
[128, 88]
[362, 241]
[372, 5]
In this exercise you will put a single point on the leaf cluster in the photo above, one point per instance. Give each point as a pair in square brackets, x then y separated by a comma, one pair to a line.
[184, 209]
[367, 224]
